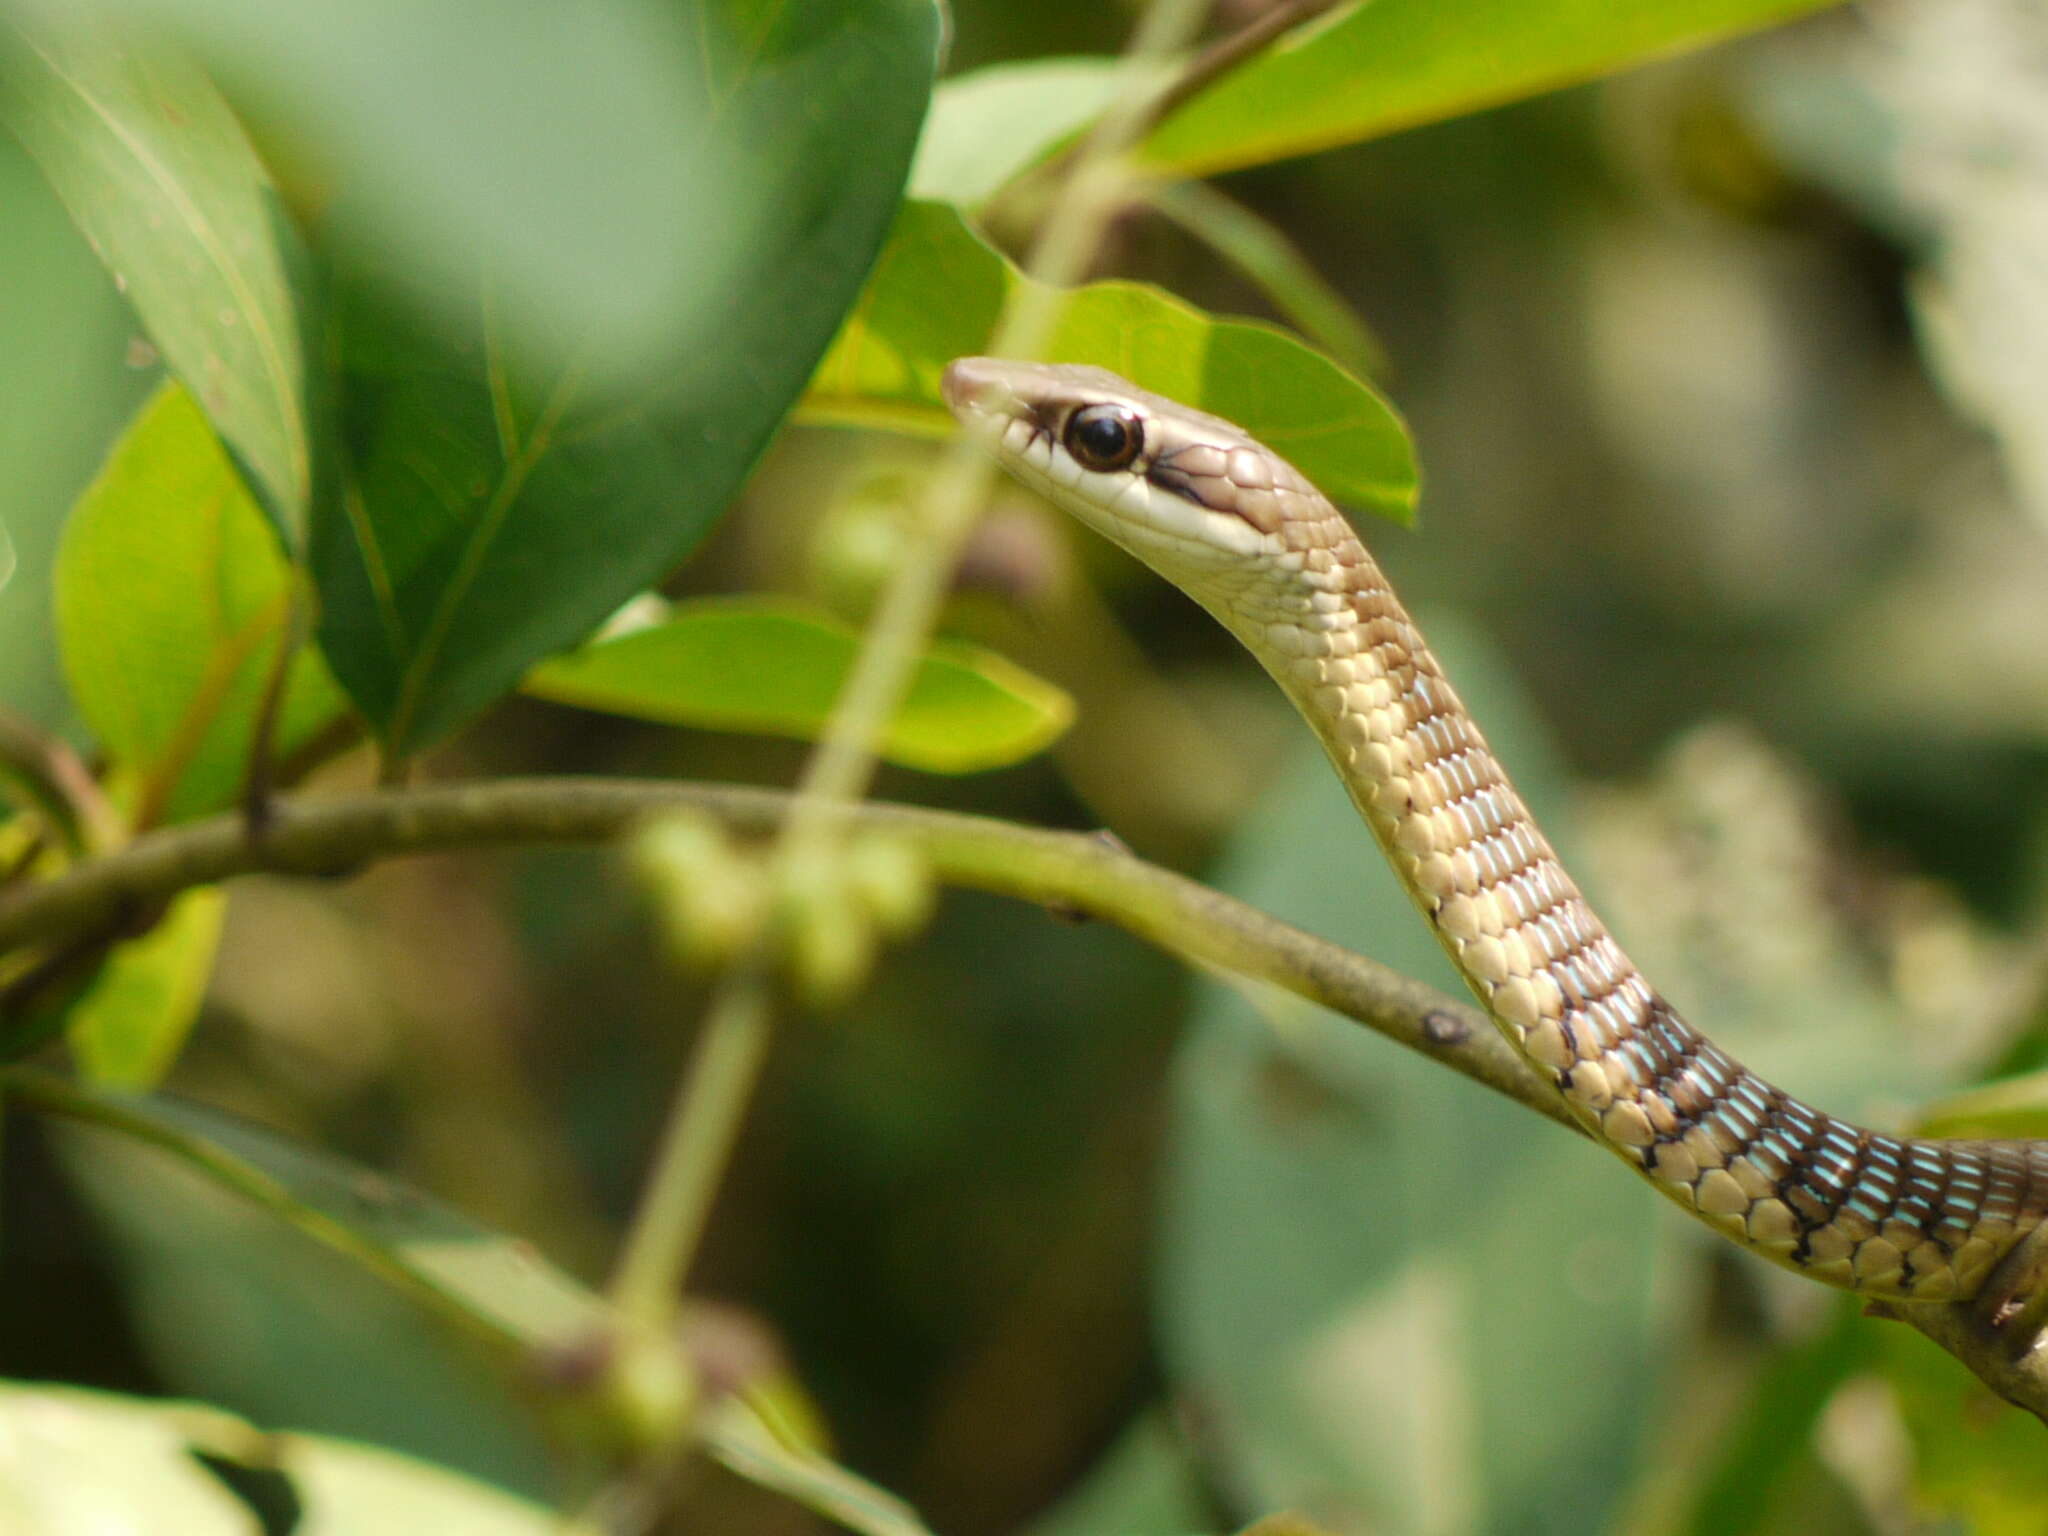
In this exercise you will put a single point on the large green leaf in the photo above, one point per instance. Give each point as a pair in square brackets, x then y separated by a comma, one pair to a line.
[158, 173]
[776, 666]
[561, 148]
[884, 368]
[89, 1461]
[1374, 68]
[504, 502]
[172, 601]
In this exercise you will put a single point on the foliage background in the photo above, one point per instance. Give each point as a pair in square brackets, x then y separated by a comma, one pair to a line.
[1722, 375]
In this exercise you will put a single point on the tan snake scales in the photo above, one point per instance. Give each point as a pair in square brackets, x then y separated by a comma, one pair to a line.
[1248, 537]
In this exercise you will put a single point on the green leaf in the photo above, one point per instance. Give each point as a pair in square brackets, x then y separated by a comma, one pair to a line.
[304, 1289]
[128, 1026]
[936, 295]
[2014, 1107]
[989, 124]
[89, 1461]
[776, 666]
[1404, 1303]
[172, 600]
[1148, 1483]
[159, 175]
[67, 396]
[1772, 1438]
[1376, 68]
[561, 148]
[504, 503]
[1977, 1460]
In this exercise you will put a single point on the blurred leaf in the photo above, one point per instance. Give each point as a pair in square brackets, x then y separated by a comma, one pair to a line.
[1146, 1484]
[159, 175]
[884, 368]
[68, 393]
[1265, 255]
[570, 151]
[747, 1444]
[1928, 123]
[776, 666]
[1403, 1304]
[989, 124]
[1977, 1459]
[227, 1233]
[1373, 69]
[90, 1461]
[300, 1289]
[7, 559]
[1774, 1433]
[505, 503]
[130, 1023]
[86, 1461]
[2014, 1107]
[172, 600]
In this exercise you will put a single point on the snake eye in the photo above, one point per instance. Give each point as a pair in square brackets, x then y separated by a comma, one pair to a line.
[1104, 437]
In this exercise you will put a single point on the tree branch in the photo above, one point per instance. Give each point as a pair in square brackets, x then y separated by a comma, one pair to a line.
[1065, 871]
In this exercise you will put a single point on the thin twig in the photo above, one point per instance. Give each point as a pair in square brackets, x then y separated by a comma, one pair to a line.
[1229, 53]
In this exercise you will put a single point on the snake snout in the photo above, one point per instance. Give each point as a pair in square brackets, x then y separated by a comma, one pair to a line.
[974, 384]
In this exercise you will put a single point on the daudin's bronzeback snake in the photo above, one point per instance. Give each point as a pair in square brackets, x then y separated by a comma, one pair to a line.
[1245, 535]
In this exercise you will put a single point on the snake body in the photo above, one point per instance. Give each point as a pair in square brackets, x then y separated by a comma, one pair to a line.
[1246, 535]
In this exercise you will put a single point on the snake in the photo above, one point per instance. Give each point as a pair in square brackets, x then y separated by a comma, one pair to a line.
[1247, 536]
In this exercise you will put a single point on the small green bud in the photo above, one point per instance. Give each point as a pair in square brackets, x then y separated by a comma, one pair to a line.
[650, 1392]
[828, 937]
[893, 880]
[710, 893]
[859, 543]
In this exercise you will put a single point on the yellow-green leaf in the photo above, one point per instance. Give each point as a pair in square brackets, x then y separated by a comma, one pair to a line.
[172, 599]
[775, 666]
[884, 369]
[1976, 1459]
[1391, 64]
[126, 1028]
[2015, 1107]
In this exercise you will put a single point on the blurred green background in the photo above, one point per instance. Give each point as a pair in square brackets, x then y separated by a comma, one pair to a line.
[1725, 378]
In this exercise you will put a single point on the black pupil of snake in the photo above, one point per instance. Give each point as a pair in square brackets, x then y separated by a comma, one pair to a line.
[1103, 437]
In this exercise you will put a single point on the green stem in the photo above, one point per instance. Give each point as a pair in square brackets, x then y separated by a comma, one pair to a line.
[696, 1144]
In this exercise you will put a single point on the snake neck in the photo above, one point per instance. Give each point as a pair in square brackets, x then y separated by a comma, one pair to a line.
[1919, 1220]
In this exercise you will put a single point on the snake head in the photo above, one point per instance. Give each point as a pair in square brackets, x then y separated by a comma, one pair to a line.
[1190, 494]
